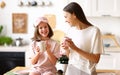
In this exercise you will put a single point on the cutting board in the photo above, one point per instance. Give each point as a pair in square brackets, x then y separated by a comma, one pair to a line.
[52, 20]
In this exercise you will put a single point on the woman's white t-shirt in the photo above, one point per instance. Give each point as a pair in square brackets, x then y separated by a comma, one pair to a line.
[90, 41]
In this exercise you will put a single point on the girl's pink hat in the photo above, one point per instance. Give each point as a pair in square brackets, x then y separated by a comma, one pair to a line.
[39, 20]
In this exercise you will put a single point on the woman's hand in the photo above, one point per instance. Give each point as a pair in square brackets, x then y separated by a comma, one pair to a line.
[64, 44]
[69, 43]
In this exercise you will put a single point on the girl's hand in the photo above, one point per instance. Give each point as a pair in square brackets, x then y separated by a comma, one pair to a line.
[37, 49]
[48, 46]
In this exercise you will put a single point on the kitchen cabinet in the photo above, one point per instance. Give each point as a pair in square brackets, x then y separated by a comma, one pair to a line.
[117, 59]
[100, 8]
[9, 60]
[109, 60]
[27, 59]
[106, 8]
[19, 49]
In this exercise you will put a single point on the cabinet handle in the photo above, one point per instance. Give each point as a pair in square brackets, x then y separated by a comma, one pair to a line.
[106, 54]
[106, 15]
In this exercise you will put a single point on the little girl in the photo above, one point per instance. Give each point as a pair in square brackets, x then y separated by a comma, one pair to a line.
[43, 55]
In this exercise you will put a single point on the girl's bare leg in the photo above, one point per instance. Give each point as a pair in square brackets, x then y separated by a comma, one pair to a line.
[34, 73]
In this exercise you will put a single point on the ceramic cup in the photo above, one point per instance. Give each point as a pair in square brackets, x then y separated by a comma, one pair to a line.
[65, 39]
[64, 44]
[42, 46]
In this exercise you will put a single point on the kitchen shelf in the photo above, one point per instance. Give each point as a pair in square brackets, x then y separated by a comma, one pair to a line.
[112, 49]
[112, 37]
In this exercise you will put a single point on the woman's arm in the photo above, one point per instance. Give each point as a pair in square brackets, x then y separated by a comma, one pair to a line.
[91, 57]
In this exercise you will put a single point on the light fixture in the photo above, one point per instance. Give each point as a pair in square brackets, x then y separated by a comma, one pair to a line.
[2, 4]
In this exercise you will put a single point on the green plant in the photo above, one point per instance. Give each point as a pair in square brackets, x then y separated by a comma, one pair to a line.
[5, 40]
[1, 28]
[63, 59]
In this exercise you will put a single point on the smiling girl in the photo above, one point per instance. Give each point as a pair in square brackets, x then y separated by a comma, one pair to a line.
[43, 61]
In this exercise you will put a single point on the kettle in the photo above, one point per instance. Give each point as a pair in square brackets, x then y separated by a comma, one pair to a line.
[18, 41]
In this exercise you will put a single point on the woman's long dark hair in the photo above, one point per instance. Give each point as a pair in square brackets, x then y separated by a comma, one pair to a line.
[75, 8]
[37, 36]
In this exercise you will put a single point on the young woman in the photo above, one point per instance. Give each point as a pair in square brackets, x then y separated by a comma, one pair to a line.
[44, 50]
[83, 43]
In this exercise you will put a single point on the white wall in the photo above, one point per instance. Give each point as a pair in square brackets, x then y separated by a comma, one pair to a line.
[106, 24]
[33, 12]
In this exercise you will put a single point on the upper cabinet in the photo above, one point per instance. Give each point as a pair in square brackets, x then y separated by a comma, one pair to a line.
[106, 8]
[100, 8]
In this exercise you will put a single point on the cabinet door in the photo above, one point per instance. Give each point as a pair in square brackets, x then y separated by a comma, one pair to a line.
[85, 4]
[117, 56]
[107, 61]
[105, 8]
[27, 59]
[117, 8]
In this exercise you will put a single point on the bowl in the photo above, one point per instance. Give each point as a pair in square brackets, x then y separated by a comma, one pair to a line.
[106, 45]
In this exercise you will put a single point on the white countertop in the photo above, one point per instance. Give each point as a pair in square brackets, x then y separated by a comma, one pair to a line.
[24, 48]
[112, 49]
[13, 48]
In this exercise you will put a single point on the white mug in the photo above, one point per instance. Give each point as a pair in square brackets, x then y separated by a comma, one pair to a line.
[64, 40]
[42, 46]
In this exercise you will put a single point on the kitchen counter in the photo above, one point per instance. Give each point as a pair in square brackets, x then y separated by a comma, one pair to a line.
[117, 72]
[16, 49]
[13, 48]
[110, 59]
[112, 49]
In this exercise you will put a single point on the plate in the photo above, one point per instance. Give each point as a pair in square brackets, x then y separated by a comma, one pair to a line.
[21, 72]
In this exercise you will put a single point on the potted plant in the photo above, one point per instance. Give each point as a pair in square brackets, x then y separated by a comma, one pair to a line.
[5, 40]
[1, 28]
[63, 62]
[63, 59]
